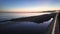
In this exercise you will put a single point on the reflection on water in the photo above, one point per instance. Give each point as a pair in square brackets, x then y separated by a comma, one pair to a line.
[6, 16]
[28, 27]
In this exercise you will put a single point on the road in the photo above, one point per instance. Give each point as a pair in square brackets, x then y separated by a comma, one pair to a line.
[55, 29]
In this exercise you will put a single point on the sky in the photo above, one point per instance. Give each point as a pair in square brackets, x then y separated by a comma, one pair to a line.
[29, 5]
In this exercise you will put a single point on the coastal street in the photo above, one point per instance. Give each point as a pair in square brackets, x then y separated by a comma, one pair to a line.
[54, 26]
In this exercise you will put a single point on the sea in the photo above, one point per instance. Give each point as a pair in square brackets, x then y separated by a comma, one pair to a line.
[8, 16]
[25, 26]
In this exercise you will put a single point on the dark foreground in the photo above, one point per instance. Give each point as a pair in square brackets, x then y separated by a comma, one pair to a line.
[28, 25]
[59, 22]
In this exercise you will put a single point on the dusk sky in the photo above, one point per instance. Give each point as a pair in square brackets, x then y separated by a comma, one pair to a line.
[29, 5]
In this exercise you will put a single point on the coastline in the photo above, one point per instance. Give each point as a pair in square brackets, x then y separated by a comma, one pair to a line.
[37, 19]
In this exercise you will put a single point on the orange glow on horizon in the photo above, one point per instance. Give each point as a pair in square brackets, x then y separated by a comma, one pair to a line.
[34, 9]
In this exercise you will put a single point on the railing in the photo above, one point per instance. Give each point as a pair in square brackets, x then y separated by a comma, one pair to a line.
[54, 26]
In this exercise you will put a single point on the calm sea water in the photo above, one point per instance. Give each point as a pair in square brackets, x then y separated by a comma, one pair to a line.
[23, 27]
[7, 16]
[27, 27]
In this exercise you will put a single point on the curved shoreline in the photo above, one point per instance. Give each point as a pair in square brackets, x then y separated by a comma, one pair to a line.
[38, 19]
